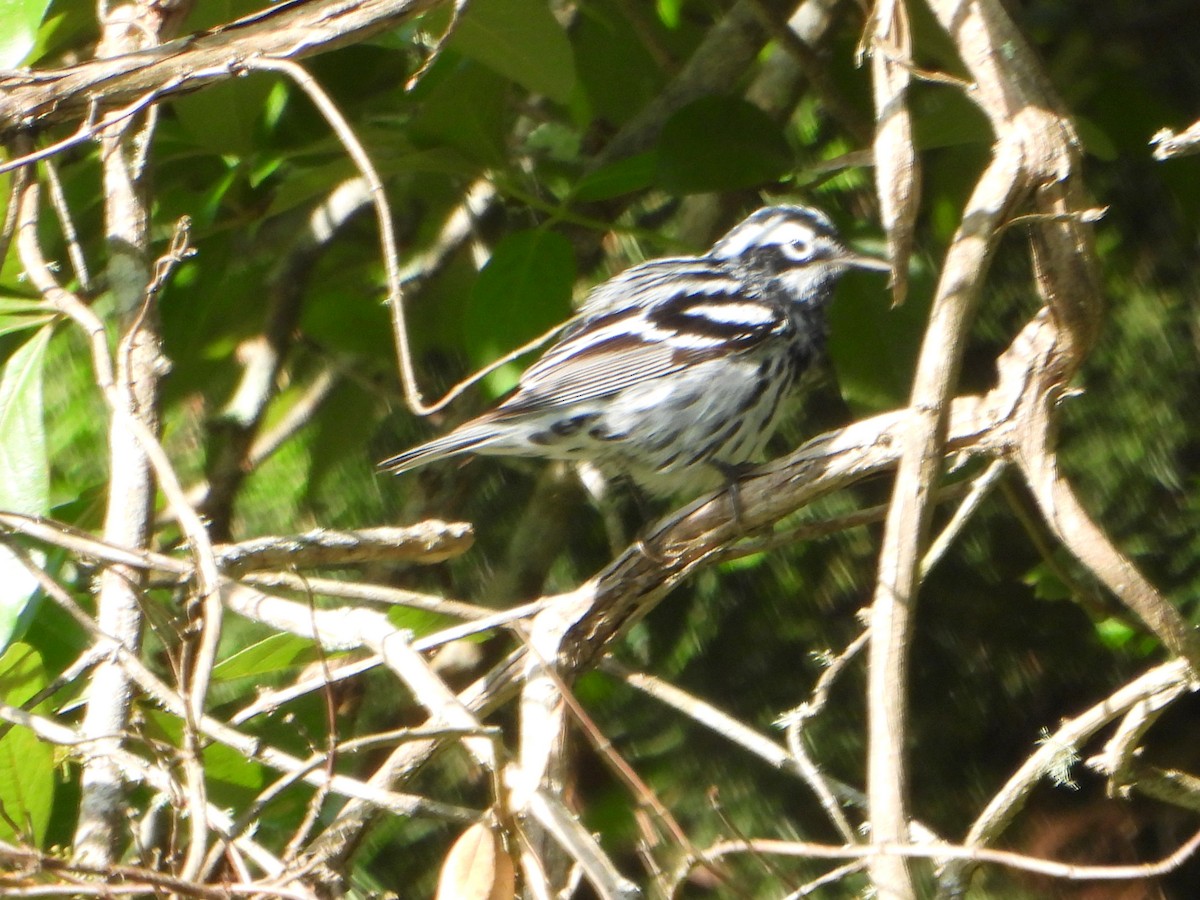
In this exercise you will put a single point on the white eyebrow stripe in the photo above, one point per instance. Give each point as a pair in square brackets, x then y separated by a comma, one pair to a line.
[770, 233]
[748, 313]
[693, 341]
[787, 231]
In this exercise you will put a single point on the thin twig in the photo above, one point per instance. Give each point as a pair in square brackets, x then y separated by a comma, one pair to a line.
[70, 305]
[15, 192]
[1168, 144]
[737, 732]
[388, 246]
[981, 486]
[88, 130]
[1170, 679]
[121, 880]
[387, 236]
[59, 201]
[939, 851]
[833, 875]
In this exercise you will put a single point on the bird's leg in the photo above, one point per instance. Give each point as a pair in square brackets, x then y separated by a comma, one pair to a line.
[733, 473]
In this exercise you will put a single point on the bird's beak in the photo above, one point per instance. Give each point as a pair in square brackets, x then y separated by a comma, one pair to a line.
[862, 261]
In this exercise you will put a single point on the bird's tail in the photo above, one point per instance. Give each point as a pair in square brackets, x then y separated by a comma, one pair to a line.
[462, 440]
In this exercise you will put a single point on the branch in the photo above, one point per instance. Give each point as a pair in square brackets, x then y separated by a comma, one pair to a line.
[293, 29]
[131, 485]
[1168, 145]
[1071, 524]
[1168, 680]
[431, 541]
[907, 522]
[938, 851]
[1035, 148]
[121, 880]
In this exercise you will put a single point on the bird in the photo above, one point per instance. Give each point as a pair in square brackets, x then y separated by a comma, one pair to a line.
[675, 370]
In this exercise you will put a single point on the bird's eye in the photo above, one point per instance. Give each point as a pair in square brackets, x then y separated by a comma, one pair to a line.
[799, 249]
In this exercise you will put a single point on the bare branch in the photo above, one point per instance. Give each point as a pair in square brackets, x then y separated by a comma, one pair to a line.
[739, 733]
[897, 170]
[1170, 679]
[431, 541]
[286, 30]
[1168, 145]
[939, 850]
[125, 880]
[59, 201]
[131, 488]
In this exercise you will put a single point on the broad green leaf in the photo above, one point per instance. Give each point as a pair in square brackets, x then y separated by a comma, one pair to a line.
[65, 25]
[617, 73]
[1047, 584]
[945, 118]
[422, 622]
[305, 182]
[670, 12]
[466, 110]
[17, 314]
[224, 118]
[268, 656]
[742, 563]
[18, 594]
[1115, 633]
[720, 144]
[621, 177]
[1095, 139]
[872, 344]
[339, 436]
[521, 40]
[523, 290]
[231, 768]
[26, 763]
[18, 32]
[24, 470]
[343, 312]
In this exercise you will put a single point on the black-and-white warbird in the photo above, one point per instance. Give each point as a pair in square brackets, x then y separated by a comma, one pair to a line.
[676, 368]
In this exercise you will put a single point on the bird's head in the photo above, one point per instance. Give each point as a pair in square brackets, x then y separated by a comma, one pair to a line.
[796, 247]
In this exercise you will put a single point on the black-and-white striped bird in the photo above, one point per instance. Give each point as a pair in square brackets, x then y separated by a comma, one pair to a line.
[676, 368]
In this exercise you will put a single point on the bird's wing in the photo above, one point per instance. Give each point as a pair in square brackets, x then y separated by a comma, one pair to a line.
[658, 281]
[617, 349]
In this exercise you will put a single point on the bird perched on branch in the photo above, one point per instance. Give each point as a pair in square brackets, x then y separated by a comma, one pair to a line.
[676, 368]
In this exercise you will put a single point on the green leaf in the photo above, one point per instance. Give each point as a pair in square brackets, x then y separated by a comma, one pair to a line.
[1095, 139]
[26, 764]
[873, 345]
[24, 471]
[523, 290]
[338, 433]
[1046, 583]
[945, 118]
[670, 12]
[465, 110]
[720, 144]
[268, 656]
[624, 176]
[305, 181]
[231, 768]
[18, 35]
[224, 118]
[1114, 633]
[743, 563]
[422, 622]
[17, 314]
[521, 40]
[617, 73]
